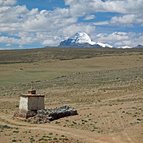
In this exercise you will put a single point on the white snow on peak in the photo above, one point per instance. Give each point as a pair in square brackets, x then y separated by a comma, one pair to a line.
[104, 45]
[81, 38]
[125, 47]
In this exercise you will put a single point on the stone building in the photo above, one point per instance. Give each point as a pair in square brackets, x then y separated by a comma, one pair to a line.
[30, 103]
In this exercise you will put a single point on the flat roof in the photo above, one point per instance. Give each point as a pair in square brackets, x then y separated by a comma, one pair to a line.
[32, 95]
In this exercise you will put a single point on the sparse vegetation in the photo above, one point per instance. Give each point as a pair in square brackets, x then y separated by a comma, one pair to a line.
[104, 85]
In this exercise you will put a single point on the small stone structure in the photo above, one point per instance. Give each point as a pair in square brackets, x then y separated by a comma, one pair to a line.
[32, 108]
[30, 103]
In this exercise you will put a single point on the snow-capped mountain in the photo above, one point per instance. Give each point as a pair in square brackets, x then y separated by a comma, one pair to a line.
[104, 45]
[82, 39]
[125, 47]
[139, 46]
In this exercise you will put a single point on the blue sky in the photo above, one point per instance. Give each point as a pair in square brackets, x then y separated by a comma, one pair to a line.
[40, 23]
[42, 4]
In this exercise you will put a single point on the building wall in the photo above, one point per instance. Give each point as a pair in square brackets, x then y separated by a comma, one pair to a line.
[36, 103]
[31, 103]
[23, 105]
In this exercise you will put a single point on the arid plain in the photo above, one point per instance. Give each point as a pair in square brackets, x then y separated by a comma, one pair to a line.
[105, 86]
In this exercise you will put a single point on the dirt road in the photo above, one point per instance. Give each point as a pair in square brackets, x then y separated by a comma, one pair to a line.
[82, 135]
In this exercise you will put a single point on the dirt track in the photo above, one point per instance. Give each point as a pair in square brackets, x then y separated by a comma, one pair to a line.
[85, 136]
[82, 135]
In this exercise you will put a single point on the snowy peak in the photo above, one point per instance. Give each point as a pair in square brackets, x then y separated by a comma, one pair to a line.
[125, 47]
[82, 39]
[104, 45]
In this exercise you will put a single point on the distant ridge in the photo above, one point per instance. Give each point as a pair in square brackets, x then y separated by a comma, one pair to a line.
[55, 53]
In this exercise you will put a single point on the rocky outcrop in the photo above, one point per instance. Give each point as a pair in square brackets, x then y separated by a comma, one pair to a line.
[47, 115]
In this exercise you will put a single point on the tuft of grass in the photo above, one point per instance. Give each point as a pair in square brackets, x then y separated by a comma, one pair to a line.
[5, 127]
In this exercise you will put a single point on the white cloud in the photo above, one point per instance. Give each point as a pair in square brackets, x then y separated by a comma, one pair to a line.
[8, 40]
[7, 2]
[24, 26]
[130, 9]
[48, 20]
[89, 17]
[128, 19]
[72, 29]
[34, 26]
[120, 6]
[50, 41]
[101, 23]
[119, 39]
[11, 18]
[113, 36]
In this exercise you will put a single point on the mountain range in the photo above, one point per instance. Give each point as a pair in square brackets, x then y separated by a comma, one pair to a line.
[82, 39]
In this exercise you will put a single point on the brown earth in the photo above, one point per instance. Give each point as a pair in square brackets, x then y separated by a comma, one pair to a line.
[107, 91]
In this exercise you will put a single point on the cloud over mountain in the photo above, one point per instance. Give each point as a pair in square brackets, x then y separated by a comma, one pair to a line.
[22, 26]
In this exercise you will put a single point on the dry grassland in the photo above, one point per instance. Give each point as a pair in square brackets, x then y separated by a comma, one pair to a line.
[106, 90]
